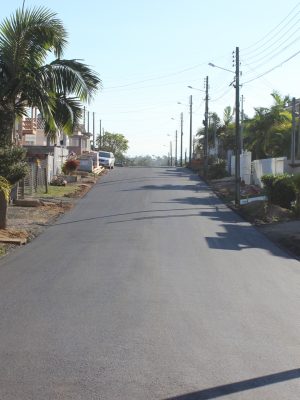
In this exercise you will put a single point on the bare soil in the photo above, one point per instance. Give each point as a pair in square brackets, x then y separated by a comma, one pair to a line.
[29, 222]
[280, 225]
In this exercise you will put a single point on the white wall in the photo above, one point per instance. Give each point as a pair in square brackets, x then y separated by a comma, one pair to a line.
[245, 167]
[60, 156]
[267, 166]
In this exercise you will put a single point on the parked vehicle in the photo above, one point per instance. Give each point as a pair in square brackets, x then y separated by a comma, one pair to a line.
[106, 159]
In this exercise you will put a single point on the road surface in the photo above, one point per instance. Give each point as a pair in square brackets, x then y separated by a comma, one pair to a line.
[150, 288]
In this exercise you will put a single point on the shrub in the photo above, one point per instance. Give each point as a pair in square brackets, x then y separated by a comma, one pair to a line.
[5, 187]
[280, 189]
[13, 166]
[58, 181]
[70, 166]
[217, 170]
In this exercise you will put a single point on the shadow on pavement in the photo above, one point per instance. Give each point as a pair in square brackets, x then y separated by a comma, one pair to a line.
[236, 387]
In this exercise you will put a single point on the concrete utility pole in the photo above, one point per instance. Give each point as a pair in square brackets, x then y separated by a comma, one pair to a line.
[181, 130]
[94, 131]
[206, 129]
[176, 148]
[293, 141]
[88, 122]
[191, 119]
[237, 129]
[100, 138]
[242, 125]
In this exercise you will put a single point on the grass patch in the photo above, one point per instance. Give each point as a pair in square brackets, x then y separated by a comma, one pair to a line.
[2, 250]
[58, 191]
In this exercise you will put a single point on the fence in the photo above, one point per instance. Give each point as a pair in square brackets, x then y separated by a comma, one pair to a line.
[35, 180]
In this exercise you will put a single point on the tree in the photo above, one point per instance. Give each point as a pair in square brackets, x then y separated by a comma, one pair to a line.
[115, 143]
[13, 167]
[57, 89]
[268, 133]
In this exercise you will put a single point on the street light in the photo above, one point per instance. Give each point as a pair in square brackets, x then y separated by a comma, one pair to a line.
[237, 124]
[171, 153]
[181, 134]
[224, 69]
[191, 124]
[175, 155]
[205, 125]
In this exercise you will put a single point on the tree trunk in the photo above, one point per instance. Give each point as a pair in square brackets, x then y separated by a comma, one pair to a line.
[6, 127]
[3, 211]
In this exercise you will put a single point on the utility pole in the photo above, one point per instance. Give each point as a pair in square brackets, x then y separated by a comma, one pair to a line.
[100, 138]
[298, 141]
[206, 129]
[181, 130]
[191, 119]
[171, 154]
[94, 131]
[293, 141]
[84, 117]
[237, 129]
[242, 125]
[176, 148]
[88, 122]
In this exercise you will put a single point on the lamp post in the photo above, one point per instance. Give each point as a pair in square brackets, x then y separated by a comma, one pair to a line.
[205, 124]
[237, 124]
[191, 125]
[175, 155]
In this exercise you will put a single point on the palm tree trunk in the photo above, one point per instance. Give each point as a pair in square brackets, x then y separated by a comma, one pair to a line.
[6, 127]
[3, 211]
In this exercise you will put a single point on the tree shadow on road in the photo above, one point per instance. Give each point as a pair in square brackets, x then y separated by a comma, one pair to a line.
[241, 386]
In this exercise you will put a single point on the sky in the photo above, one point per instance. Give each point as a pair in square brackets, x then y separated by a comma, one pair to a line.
[147, 53]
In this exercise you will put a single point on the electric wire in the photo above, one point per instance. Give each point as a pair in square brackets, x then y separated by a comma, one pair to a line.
[272, 69]
[279, 40]
[270, 32]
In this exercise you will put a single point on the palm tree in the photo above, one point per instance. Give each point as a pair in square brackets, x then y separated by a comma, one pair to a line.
[57, 89]
[268, 132]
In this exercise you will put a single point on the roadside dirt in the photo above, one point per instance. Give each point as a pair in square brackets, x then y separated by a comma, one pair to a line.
[25, 223]
[280, 225]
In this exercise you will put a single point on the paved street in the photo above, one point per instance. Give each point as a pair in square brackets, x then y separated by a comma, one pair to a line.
[150, 288]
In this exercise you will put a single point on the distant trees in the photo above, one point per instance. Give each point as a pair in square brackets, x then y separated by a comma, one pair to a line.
[113, 142]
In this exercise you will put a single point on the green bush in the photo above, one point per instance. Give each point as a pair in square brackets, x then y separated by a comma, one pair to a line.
[280, 189]
[13, 166]
[217, 170]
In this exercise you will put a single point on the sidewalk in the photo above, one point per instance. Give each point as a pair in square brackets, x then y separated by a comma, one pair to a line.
[24, 223]
[280, 225]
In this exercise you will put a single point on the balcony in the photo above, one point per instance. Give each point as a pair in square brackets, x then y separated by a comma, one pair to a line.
[29, 126]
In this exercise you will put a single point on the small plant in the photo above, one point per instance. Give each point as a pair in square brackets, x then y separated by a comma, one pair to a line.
[217, 170]
[5, 188]
[58, 181]
[280, 189]
[70, 166]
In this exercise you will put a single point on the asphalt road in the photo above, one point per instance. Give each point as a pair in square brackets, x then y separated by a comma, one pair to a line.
[149, 288]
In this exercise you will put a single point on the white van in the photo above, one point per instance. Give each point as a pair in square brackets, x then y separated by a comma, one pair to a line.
[106, 159]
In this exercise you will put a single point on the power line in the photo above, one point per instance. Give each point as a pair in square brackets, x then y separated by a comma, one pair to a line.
[272, 30]
[276, 42]
[272, 69]
[273, 55]
[157, 78]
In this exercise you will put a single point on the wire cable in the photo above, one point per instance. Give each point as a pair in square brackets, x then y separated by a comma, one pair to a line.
[271, 31]
[272, 69]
